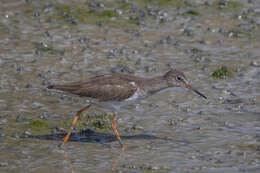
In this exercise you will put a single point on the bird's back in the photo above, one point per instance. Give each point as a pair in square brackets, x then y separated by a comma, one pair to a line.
[114, 87]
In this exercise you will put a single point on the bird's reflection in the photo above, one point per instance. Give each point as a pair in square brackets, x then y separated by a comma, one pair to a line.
[90, 136]
[67, 157]
[116, 160]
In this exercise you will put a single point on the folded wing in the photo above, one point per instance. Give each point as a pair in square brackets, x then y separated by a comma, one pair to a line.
[103, 88]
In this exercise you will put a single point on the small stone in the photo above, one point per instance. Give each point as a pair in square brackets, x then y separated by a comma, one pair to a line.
[208, 3]
[233, 101]
[221, 30]
[256, 20]
[84, 40]
[122, 68]
[19, 118]
[255, 63]
[100, 124]
[177, 44]
[36, 105]
[220, 98]
[135, 51]
[142, 13]
[100, 24]
[48, 34]
[258, 148]
[162, 41]
[3, 164]
[92, 4]
[223, 3]
[169, 40]
[226, 92]
[29, 85]
[101, 5]
[16, 136]
[138, 61]
[231, 34]
[203, 42]
[45, 83]
[147, 69]
[113, 53]
[54, 130]
[36, 14]
[26, 134]
[45, 115]
[49, 8]
[42, 76]
[71, 19]
[172, 122]
[257, 10]
[155, 168]
[221, 42]
[188, 31]
[213, 30]
[163, 14]
[119, 12]
[135, 127]
[3, 121]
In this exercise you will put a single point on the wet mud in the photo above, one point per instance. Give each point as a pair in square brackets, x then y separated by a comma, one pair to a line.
[215, 43]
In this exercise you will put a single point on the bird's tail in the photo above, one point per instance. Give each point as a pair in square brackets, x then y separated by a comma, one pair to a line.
[68, 88]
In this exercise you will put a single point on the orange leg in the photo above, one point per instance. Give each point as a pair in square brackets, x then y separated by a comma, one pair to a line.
[116, 132]
[74, 122]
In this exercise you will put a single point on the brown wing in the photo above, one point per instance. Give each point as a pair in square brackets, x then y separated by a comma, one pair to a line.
[107, 92]
[103, 88]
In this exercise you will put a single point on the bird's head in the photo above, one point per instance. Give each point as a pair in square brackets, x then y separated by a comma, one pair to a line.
[176, 78]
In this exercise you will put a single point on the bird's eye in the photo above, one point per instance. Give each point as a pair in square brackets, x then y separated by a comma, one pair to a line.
[179, 78]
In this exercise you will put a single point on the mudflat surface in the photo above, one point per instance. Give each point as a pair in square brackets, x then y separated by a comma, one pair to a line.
[215, 43]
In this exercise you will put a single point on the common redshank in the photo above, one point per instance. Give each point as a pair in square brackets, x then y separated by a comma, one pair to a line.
[111, 91]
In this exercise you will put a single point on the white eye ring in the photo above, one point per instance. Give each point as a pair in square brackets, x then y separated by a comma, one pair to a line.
[179, 78]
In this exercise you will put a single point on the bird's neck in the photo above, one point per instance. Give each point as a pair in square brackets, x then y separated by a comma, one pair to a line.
[154, 85]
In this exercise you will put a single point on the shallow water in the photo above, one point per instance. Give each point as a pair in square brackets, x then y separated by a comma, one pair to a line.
[173, 131]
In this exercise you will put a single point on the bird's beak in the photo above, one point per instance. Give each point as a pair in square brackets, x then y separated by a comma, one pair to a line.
[187, 85]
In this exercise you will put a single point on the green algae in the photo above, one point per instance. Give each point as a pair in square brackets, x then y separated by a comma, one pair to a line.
[253, 147]
[231, 6]
[193, 12]
[38, 124]
[71, 15]
[44, 49]
[234, 5]
[82, 14]
[18, 128]
[196, 50]
[250, 34]
[109, 13]
[162, 3]
[99, 122]
[222, 73]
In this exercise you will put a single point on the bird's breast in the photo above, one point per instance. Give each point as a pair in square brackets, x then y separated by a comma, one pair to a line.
[138, 94]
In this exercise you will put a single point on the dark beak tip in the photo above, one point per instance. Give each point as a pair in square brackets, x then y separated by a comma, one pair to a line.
[196, 91]
[199, 93]
[205, 97]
